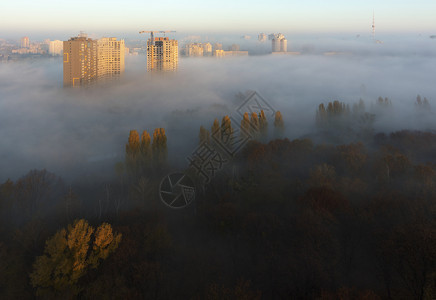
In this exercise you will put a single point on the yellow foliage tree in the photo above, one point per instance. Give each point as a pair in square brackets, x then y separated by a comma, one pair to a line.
[68, 255]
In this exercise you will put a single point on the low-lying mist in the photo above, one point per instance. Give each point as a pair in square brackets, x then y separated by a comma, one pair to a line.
[82, 131]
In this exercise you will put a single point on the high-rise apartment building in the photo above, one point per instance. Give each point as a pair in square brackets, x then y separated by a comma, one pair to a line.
[279, 43]
[25, 43]
[86, 60]
[110, 57]
[80, 61]
[162, 54]
[55, 47]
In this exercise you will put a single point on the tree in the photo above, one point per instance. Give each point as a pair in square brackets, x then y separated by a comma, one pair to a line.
[216, 130]
[254, 125]
[146, 153]
[226, 130]
[204, 135]
[321, 115]
[263, 126]
[245, 125]
[159, 147]
[132, 153]
[279, 125]
[35, 193]
[68, 255]
[384, 102]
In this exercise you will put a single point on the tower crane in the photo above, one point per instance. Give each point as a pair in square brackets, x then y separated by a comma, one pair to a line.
[152, 32]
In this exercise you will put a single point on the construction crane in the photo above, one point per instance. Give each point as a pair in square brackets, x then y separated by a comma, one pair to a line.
[152, 32]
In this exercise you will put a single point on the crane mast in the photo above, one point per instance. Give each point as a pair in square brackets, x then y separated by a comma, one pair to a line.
[152, 32]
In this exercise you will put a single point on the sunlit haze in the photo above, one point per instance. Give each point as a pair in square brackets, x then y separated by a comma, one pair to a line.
[127, 17]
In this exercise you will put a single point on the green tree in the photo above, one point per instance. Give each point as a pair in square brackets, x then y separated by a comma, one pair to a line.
[68, 255]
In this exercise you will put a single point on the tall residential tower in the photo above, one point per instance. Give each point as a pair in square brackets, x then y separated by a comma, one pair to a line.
[86, 60]
[110, 57]
[279, 43]
[162, 54]
[80, 61]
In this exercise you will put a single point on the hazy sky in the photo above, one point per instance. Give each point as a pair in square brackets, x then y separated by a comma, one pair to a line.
[24, 17]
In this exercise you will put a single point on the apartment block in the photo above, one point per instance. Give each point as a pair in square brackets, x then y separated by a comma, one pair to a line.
[162, 54]
[80, 61]
[55, 47]
[110, 60]
[87, 60]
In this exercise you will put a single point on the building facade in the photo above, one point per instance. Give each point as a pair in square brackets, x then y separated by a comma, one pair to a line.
[25, 43]
[262, 37]
[86, 60]
[55, 47]
[80, 61]
[279, 43]
[110, 58]
[162, 54]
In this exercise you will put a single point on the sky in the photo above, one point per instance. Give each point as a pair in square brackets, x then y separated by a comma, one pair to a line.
[106, 17]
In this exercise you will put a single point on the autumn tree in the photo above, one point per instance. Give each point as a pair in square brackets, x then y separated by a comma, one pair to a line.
[226, 130]
[279, 125]
[411, 250]
[354, 156]
[359, 108]
[245, 125]
[321, 115]
[159, 147]
[422, 104]
[216, 130]
[133, 150]
[204, 135]
[384, 102]
[323, 175]
[146, 153]
[35, 194]
[263, 126]
[69, 254]
[254, 125]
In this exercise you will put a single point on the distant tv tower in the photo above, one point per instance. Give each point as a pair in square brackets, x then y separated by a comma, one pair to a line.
[373, 25]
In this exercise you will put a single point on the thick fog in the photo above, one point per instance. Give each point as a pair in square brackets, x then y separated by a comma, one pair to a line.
[82, 132]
